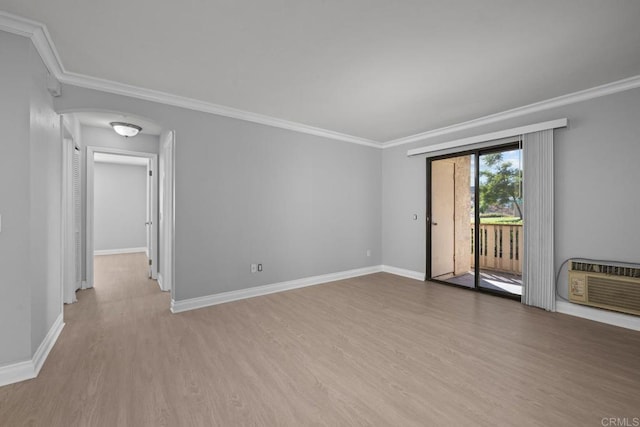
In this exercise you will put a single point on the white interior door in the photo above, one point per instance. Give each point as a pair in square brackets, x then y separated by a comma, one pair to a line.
[442, 217]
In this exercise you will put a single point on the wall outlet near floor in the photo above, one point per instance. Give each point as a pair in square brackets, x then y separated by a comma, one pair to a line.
[368, 252]
[259, 267]
[254, 268]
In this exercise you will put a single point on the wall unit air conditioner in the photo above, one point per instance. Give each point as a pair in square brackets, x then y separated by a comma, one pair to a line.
[605, 286]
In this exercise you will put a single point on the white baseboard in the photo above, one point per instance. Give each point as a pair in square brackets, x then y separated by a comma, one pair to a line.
[404, 273]
[119, 251]
[28, 369]
[599, 315]
[159, 280]
[209, 300]
[16, 372]
[47, 344]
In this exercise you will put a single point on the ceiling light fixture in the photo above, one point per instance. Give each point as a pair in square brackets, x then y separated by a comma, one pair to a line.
[125, 129]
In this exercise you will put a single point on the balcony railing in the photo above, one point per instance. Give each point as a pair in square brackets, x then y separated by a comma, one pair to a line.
[501, 247]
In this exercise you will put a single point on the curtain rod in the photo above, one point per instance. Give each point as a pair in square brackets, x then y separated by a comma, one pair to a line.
[552, 124]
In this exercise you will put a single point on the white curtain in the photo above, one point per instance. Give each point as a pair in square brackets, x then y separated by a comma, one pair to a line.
[538, 272]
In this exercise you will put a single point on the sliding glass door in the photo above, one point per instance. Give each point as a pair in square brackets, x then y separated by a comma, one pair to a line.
[474, 228]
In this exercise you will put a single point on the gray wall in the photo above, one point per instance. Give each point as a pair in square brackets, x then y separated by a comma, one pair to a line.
[30, 166]
[46, 193]
[15, 299]
[301, 205]
[596, 177]
[120, 206]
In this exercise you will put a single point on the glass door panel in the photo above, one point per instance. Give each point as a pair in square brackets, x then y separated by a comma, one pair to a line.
[500, 236]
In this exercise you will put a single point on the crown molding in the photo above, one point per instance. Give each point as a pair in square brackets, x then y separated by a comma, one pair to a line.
[572, 98]
[41, 39]
[205, 107]
[18, 25]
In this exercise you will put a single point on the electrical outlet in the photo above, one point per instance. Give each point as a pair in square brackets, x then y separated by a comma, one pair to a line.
[254, 268]
[259, 267]
[368, 252]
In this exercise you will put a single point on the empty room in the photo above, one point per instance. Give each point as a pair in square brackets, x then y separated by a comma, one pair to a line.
[274, 213]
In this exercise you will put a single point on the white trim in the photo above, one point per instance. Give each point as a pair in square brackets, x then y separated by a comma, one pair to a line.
[521, 130]
[119, 251]
[209, 300]
[47, 344]
[40, 37]
[18, 25]
[42, 40]
[167, 151]
[206, 107]
[159, 280]
[16, 372]
[44, 45]
[559, 101]
[28, 369]
[120, 160]
[404, 273]
[599, 315]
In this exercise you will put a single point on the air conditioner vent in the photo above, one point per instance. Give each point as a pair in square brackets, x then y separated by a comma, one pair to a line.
[611, 292]
[612, 270]
[605, 286]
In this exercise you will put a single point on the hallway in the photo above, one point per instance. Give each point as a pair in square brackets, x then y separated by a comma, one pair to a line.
[108, 343]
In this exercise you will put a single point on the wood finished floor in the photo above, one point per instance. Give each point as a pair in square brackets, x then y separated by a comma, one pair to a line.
[375, 350]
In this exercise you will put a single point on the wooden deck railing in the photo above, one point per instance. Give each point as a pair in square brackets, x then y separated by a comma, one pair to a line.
[500, 247]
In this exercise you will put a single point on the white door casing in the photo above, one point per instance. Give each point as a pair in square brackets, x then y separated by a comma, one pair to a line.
[442, 217]
[68, 227]
[153, 160]
[165, 216]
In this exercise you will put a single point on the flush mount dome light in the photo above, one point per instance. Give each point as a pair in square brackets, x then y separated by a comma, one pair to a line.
[125, 129]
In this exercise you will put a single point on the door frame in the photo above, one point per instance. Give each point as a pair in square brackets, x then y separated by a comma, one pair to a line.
[167, 150]
[67, 250]
[477, 152]
[90, 248]
[440, 220]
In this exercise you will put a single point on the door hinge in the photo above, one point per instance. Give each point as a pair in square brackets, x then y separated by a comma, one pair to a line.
[150, 262]
[150, 173]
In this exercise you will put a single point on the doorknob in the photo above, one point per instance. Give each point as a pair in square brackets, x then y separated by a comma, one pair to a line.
[148, 223]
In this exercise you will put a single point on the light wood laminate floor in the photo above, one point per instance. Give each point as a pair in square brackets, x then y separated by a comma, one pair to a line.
[374, 350]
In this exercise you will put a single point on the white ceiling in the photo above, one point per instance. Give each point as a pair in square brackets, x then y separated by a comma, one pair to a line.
[375, 69]
[103, 120]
